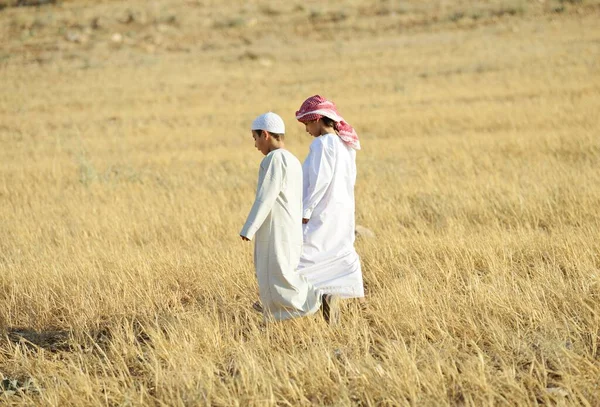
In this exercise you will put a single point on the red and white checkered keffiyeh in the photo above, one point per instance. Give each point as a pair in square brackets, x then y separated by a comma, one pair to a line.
[316, 107]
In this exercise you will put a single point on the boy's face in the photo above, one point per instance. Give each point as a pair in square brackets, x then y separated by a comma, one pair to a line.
[261, 141]
[313, 128]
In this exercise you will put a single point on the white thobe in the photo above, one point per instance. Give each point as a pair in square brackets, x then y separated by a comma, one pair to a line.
[329, 260]
[275, 224]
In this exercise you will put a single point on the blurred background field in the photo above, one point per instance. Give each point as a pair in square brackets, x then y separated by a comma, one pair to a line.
[127, 169]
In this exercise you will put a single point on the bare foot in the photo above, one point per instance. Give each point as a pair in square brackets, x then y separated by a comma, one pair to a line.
[330, 306]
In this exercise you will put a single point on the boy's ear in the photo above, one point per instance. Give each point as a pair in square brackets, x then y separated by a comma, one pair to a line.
[265, 134]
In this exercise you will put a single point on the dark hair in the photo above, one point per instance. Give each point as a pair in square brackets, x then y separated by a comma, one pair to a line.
[329, 122]
[276, 136]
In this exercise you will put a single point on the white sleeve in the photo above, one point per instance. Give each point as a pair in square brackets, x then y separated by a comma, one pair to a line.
[319, 173]
[268, 189]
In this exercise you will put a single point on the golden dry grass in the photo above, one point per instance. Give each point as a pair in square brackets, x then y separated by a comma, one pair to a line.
[127, 170]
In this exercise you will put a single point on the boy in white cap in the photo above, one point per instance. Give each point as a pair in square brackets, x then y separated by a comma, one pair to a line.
[275, 224]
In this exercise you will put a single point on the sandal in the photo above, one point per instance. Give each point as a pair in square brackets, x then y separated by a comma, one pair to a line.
[257, 307]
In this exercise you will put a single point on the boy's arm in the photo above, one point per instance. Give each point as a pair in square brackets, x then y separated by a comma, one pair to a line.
[319, 174]
[267, 191]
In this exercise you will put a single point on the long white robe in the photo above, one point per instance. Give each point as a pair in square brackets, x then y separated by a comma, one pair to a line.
[329, 260]
[275, 224]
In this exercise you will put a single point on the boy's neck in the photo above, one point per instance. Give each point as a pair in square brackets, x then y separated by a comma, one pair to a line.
[327, 130]
[276, 145]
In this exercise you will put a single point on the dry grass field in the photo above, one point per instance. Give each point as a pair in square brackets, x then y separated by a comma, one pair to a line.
[127, 169]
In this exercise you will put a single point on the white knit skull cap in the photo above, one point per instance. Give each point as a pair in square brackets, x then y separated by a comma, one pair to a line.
[270, 122]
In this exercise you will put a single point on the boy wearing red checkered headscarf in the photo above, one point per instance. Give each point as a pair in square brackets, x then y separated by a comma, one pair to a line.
[329, 260]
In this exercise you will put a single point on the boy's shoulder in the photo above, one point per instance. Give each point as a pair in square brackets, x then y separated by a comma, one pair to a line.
[327, 141]
[280, 156]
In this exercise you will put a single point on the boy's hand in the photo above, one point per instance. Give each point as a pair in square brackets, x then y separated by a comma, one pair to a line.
[244, 238]
[304, 221]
